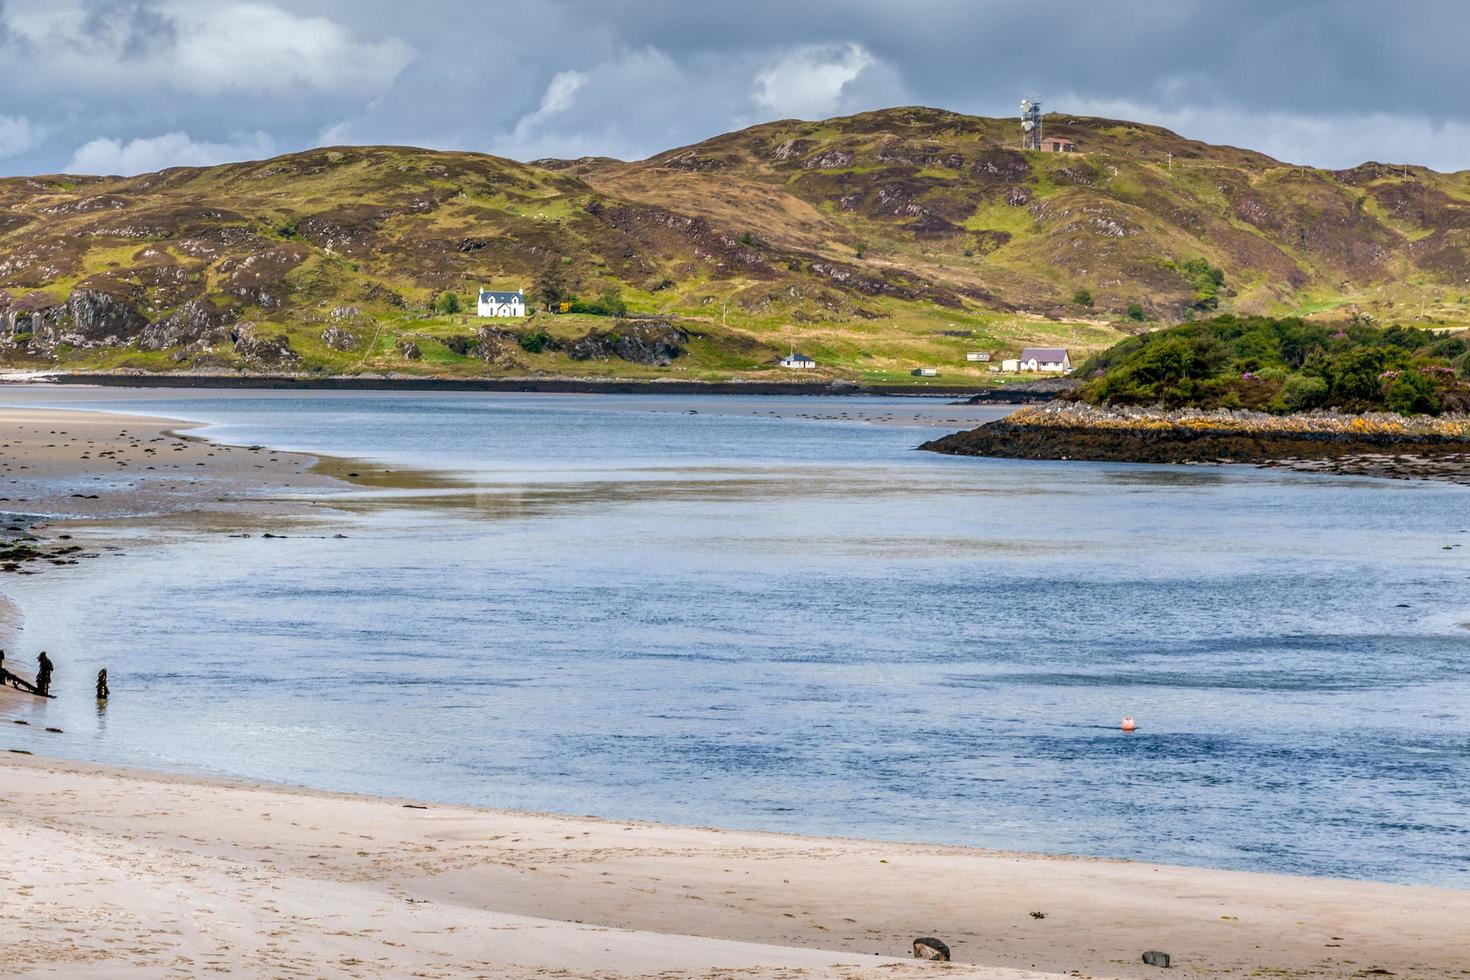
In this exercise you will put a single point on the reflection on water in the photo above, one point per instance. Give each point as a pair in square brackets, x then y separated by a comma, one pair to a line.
[617, 607]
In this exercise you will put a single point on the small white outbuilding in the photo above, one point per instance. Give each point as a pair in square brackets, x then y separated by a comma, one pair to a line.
[797, 362]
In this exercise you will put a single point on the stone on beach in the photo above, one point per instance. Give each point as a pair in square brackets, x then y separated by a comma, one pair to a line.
[930, 948]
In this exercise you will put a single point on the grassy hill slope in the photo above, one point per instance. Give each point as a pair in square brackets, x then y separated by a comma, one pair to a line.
[876, 243]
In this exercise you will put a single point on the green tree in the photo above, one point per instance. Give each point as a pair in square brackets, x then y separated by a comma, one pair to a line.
[1135, 312]
[1354, 374]
[612, 303]
[448, 302]
[1411, 393]
[534, 341]
[1206, 280]
[551, 286]
[1082, 297]
[1303, 392]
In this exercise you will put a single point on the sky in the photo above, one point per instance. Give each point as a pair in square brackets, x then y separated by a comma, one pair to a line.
[130, 86]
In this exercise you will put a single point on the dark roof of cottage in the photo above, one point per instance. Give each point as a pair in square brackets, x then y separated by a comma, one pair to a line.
[501, 297]
[793, 356]
[1046, 354]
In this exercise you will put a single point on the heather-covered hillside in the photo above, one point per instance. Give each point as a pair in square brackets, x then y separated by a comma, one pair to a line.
[874, 243]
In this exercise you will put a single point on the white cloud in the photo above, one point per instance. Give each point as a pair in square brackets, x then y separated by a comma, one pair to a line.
[563, 88]
[17, 135]
[203, 48]
[110, 156]
[809, 82]
[560, 95]
[1338, 141]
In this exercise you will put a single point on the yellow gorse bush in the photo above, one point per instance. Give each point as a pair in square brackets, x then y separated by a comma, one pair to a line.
[1236, 422]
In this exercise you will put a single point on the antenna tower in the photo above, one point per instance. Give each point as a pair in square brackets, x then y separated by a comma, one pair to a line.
[1030, 124]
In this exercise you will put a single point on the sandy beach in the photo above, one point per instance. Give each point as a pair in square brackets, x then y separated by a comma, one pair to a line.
[117, 873]
[84, 465]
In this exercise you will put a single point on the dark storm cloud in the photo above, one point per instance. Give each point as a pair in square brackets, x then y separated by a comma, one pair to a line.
[139, 83]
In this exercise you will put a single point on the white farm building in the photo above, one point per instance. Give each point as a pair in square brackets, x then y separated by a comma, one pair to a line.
[1049, 360]
[493, 303]
[797, 362]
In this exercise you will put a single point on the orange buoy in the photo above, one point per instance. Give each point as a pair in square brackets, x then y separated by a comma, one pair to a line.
[1128, 724]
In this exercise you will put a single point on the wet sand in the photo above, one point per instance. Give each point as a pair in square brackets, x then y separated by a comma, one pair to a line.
[64, 474]
[79, 464]
[117, 873]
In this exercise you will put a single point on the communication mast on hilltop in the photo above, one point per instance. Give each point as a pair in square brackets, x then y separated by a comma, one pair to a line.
[1030, 125]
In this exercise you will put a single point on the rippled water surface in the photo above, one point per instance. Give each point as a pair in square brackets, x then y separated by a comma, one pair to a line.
[758, 613]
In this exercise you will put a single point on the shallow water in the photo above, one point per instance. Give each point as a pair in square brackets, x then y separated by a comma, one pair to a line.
[800, 624]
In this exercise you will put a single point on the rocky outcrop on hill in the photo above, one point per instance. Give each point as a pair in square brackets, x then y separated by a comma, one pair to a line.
[98, 317]
[88, 318]
[340, 338]
[196, 322]
[257, 348]
[653, 343]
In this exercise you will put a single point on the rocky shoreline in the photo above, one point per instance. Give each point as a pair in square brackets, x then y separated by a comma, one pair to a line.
[1378, 446]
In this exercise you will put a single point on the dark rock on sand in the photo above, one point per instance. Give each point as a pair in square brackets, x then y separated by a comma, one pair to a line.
[930, 948]
[1155, 958]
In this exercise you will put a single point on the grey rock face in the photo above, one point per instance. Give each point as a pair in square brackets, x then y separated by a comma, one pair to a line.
[339, 338]
[258, 348]
[655, 344]
[100, 318]
[197, 321]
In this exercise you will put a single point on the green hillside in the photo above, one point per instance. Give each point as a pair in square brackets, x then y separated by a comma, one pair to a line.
[875, 243]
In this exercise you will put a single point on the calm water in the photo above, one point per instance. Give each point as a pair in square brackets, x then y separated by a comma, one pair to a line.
[800, 624]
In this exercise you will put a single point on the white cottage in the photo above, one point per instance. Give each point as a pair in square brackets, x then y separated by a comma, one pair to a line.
[797, 362]
[1050, 360]
[502, 304]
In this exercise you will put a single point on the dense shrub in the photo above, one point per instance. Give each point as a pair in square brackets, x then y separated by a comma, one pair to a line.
[610, 303]
[1206, 281]
[1412, 393]
[534, 341]
[1282, 365]
[1303, 392]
